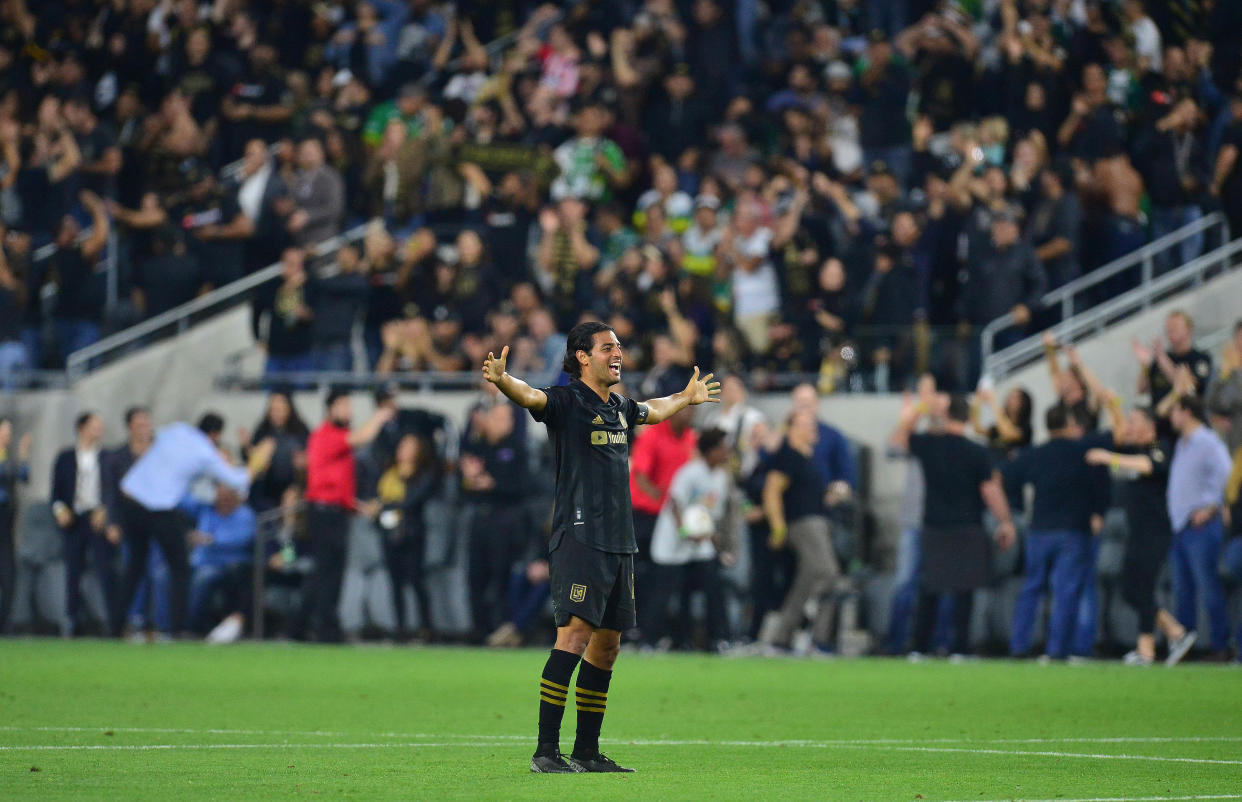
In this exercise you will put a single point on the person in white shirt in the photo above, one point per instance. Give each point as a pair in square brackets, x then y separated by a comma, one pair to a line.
[741, 423]
[1147, 44]
[756, 287]
[154, 487]
[692, 539]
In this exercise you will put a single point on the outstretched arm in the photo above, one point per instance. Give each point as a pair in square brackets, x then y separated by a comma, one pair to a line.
[516, 390]
[1139, 463]
[697, 391]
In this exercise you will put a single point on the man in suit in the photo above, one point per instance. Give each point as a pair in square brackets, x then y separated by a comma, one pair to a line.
[78, 507]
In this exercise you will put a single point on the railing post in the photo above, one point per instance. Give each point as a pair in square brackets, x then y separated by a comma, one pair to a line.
[258, 577]
[1146, 278]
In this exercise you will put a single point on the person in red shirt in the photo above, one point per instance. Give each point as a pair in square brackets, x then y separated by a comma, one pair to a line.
[655, 458]
[331, 500]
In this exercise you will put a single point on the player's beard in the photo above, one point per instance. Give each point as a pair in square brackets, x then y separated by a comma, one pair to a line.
[607, 379]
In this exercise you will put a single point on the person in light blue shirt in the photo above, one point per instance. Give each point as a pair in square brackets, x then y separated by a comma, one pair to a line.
[1197, 478]
[152, 489]
[223, 539]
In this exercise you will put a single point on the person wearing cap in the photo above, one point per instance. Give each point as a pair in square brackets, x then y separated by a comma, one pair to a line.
[331, 497]
[1005, 277]
[158, 482]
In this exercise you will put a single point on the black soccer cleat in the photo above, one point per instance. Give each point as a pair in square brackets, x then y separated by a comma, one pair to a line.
[553, 762]
[597, 763]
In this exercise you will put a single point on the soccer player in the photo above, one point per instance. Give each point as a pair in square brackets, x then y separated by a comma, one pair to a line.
[591, 551]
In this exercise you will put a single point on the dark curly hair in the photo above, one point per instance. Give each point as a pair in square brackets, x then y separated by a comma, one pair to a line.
[581, 338]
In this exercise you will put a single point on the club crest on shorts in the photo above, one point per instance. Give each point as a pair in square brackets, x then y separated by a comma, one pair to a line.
[577, 593]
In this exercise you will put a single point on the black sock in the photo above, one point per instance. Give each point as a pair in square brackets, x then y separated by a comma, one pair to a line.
[592, 693]
[553, 691]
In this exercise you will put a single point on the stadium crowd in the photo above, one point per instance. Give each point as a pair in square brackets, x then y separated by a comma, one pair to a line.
[844, 189]
[838, 188]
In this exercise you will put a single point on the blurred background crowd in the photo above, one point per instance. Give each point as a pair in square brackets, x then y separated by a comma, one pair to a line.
[838, 188]
[840, 191]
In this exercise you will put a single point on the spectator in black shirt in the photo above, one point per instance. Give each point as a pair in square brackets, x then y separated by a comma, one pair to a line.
[793, 503]
[101, 158]
[1055, 226]
[339, 304]
[48, 161]
[712, 52]
[283, 425]
[14, 470]
[13, 354]
[169, 278]
[287, 306]
[255, 106]
[1171, 159]
[677, 116]
[493, 466]
[1094, 125]
[960, 482]
[403, 492]
[1142, 460]
[1068, 511]
[1161, 365]
[80, 293]
[116, 461]
[1227, 172]
[881, 92]
[890, 300]
[1004, 277]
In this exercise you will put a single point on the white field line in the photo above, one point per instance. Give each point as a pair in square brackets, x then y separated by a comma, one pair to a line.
[641, 742]
[666, 742]
[1032, 753]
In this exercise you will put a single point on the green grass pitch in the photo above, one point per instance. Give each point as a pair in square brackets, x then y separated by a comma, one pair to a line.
[105, 720]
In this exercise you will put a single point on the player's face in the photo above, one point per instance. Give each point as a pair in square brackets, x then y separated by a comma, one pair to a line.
[605, 359]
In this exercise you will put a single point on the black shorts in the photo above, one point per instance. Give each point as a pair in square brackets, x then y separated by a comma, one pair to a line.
[596, 586]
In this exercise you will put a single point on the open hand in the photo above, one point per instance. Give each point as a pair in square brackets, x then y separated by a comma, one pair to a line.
[700, 390]
[494, 368]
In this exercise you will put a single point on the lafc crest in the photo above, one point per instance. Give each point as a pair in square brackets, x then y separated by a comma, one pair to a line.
[577, 593]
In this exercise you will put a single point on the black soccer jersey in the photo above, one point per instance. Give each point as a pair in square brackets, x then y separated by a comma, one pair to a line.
[591, 440]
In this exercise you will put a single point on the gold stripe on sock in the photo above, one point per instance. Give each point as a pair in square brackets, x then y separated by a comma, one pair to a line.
[555, 685]
[544, 687]
[589, 708]
[551, 701]
[596, 694]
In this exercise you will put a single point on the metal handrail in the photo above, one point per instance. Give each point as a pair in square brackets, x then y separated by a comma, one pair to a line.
[1144, 256]
[80, 362]
[1000, 364]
